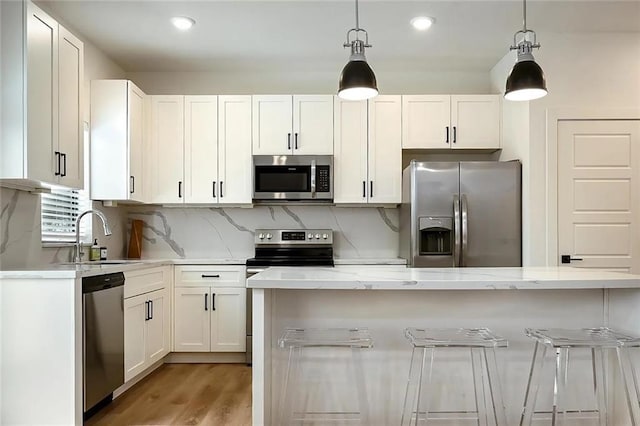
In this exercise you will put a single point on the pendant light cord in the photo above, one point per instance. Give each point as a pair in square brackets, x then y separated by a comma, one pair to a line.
[357, 17]
[524, 14]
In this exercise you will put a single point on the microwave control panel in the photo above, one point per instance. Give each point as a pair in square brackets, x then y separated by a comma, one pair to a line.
[323, 183]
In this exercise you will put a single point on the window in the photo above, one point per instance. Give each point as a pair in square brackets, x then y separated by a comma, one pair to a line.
[60, 209]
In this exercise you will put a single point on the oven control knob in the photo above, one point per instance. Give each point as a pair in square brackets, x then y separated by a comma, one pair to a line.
[317, 236]
[261, 236]
[269, 236]
[325, 236]
[310, 236]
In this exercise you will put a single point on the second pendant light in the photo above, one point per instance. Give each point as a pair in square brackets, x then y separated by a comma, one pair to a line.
[357, 81]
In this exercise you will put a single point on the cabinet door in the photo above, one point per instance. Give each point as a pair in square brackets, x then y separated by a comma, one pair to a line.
[272, 125]
[42, 96]
[228, 319]
[425, 121]
[385, 150]
[167, 133]
[201, 149]
[158, 338]
[135, 124]
[70, 120]
[350, 151]
[313, 125]
[191, 319]
[235, 185]
[135, 314]
[476, 121]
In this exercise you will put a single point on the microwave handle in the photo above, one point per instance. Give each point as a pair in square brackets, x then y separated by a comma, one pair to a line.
[313, 178]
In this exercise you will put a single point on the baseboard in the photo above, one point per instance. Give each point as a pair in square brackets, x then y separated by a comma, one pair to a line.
[122, 389]
[206, 357]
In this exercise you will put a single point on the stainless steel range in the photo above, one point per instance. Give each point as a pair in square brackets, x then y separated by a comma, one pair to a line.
[286, 247]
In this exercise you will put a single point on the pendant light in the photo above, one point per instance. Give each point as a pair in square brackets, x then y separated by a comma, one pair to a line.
[526, 80]
[357, 81]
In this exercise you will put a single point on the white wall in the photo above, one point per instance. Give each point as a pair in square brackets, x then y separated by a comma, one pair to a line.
[278, 82]
[593, 71]
[20, 230]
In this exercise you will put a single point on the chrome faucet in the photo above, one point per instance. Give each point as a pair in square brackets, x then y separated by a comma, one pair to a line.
[77, 257]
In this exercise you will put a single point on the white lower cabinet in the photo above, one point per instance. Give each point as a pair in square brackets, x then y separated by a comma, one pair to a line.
[210, 309]
[147, 320]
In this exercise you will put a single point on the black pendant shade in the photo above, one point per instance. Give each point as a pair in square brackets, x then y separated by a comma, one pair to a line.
[357, 75]
[526, 78]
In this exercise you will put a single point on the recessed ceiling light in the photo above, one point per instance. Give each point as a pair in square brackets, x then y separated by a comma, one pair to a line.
[422, 23]
[183, 23]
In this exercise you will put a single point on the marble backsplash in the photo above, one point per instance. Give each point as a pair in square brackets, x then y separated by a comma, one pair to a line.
[171, 232]
[20, 232]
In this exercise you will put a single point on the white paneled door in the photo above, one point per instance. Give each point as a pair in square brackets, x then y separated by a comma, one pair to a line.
[228, 319]
[385, 150]
[272, 125]
[167, 134]
[598, 199]
[350, 151]
[191, 319]
[201, 149]
[313, 124]
[426, 121]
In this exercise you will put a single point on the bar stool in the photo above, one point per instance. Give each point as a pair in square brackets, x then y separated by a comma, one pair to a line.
[297, 339]
[560, 341]
[482, 344]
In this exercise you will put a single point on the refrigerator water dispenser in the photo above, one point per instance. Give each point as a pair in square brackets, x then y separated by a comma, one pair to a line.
[436, 236]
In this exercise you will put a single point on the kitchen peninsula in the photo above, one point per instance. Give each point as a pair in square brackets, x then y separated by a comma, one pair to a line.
[387, 299]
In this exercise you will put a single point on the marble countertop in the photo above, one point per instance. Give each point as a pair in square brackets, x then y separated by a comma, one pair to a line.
[88, 269]
[402, 278]
[370, 261]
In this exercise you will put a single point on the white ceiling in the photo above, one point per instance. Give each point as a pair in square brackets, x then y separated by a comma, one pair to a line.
[308, 35]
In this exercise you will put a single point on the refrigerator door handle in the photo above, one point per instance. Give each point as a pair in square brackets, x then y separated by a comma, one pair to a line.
[465, 230]
[456, 231]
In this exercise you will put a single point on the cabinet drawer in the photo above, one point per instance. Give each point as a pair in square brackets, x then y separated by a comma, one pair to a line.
[146, 280]
[216, 276]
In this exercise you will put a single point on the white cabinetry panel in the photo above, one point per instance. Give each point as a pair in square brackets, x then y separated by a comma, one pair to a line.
[313, 125]
[167, 134]
[272, 125]
[201, 149]
[350, 152]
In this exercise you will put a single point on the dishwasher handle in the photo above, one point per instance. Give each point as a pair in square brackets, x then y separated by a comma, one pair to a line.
[102, 282]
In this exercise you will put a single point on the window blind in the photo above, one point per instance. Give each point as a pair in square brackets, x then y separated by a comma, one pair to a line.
[60, 209]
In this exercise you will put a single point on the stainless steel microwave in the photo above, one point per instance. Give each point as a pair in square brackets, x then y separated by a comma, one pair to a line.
[293, 178]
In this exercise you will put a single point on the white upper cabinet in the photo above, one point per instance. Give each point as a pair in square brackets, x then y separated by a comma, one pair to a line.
[117, 141]
[202, 152]
[41, 95]
[70, 124]
[425, 121]
[385, 150]
[167, 136]
[312, 125]
[350, 152]
[292, 125]
[201, 149]
[43, 158]
[451, 121]
[368, 151]
[235, 183]
[272, 125]
[476, 121]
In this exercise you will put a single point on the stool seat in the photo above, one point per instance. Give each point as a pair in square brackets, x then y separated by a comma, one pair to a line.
[599, 337]
[454, 337]
[326, 337]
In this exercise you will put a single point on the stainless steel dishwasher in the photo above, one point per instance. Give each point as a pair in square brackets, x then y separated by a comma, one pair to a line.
[103, 338]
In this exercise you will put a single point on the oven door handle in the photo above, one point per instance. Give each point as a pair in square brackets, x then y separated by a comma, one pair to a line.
[313, 178]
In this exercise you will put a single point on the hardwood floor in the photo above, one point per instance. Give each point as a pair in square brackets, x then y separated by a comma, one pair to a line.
[184, 394]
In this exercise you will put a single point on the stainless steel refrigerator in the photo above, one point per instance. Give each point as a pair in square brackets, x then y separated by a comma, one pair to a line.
[456, 214]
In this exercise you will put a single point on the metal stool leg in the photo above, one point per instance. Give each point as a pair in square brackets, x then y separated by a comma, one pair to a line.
[630, 384]
[535, 374]
[495, 387]
[424, 384]
[363, 402]
[478, 385]
[599, 384]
